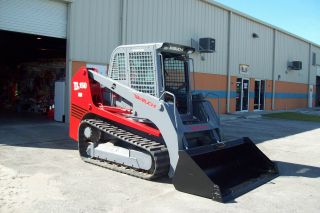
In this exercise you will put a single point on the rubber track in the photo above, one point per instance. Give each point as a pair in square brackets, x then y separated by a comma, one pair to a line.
[158, 152]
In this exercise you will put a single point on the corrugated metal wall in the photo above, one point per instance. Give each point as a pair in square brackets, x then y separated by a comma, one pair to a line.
[48, 18]
[178, 21]
[255, 52]
[291, 49]
[94, 30]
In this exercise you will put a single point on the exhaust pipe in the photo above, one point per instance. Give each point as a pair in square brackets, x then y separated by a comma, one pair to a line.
[223, 173]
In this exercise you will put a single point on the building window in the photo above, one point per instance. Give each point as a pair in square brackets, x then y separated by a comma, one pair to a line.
[314, 60]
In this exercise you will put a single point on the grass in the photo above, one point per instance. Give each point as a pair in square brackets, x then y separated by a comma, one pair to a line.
[293, 116]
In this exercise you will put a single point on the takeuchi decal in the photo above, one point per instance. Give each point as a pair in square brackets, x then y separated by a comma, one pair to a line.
[145, 101]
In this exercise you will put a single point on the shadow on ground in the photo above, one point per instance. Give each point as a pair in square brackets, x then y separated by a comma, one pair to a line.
[33, 130]
[262, 129]
[297, 170]
[285, 169]
[30, 130]
[23, 118]
[50, 144]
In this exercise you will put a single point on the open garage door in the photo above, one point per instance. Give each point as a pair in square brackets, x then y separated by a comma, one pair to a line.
[39, 17]
[33, 40]
[32, 76]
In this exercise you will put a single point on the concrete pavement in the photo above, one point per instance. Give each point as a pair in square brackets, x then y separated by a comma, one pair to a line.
[40, 171]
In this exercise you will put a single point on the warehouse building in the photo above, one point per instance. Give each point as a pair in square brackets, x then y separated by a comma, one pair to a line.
[254, 65]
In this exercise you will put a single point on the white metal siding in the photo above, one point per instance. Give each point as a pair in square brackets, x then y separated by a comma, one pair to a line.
[40, 17]
[94, 30]
[255, 52]
[291, 49]
[178, 21]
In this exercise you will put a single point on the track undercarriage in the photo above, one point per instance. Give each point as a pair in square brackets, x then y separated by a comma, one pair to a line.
[102, 143]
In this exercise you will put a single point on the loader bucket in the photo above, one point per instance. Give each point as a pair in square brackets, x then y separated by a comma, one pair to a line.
[224, 172]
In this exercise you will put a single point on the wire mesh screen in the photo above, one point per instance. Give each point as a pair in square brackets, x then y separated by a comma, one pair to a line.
[175, 80]
[142, 74]
[118, 71]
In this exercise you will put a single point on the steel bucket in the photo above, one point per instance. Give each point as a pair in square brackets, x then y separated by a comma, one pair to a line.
[223, 172]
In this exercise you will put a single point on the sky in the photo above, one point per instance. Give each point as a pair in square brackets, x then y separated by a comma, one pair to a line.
[300, 17]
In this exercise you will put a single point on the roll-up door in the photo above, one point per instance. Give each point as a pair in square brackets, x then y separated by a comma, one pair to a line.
[40, 17]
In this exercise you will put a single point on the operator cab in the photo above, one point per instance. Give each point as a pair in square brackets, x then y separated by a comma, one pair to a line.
[158, 69]
[174, 65]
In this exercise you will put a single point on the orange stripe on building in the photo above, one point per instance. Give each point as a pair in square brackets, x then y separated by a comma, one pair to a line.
[290, 103]
[206, 81]
[290, 87]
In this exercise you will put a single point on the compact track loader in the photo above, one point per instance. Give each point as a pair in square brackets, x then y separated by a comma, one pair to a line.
[143, 119]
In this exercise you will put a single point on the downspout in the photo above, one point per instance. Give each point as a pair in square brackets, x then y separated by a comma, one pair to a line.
[123, 22]
[68, 66]
[228, 62]
[309, 78]
[273, 70]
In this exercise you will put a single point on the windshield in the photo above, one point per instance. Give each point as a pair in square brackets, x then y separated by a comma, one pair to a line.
[176, 74]
[176, 81]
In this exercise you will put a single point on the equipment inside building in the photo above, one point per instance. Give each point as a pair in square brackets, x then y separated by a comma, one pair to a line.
[143, 120]
[30, 67]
